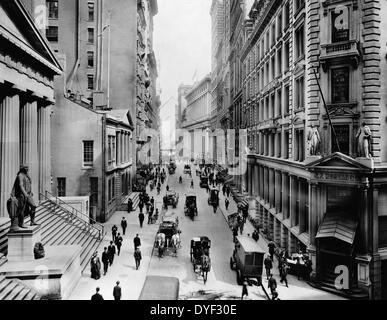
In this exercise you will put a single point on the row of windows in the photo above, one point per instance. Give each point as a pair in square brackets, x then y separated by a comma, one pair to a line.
[272, 145]
[53, 9]
[52, 34]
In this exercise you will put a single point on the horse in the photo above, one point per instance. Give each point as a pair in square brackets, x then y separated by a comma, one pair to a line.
[205, 266]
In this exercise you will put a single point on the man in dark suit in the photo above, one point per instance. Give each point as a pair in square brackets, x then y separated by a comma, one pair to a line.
[117, 291]
[136, 241]
[119, 241]
[124, 225]
[97, 296]
[105, 260]
[111, 252]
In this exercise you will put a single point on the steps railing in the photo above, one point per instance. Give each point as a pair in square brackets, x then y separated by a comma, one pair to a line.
[89, 223]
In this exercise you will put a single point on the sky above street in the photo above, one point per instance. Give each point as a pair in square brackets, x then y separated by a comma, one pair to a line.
[182, 44]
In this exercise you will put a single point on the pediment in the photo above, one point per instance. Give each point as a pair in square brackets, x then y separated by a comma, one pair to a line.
[18, 27]
[337, 160]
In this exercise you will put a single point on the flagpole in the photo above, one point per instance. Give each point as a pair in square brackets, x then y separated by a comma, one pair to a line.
[327, 111]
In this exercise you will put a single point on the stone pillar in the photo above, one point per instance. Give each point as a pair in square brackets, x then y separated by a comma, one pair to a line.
[284, 237]
[256, 180]
[29, 143]
[364, 221]
[313, 212]
[44, 148]
[271, 187]
[9, 147]
[292, 199]
[277, 190]
[118, 146]
[285, 190]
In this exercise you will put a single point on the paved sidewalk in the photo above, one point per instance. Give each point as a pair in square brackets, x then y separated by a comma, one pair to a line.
[297, 289]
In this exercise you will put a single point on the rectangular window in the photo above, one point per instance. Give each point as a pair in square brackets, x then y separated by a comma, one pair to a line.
[342, 135]
[52, 34]
[273, 68]
[299, 4]
[300, 93]
[61, 187]
[88, 153]
[287, 56]
[300, 42]
[279, 102]
[340, 24]
[286, 145]
[267, 41]
[90, 35]
[279, 26]
[340, 85]
[90, 59]
[286, 100]
[300, 148]
[272, 105]
[90, 82]
[279, 62]
[52, 9]
[287, 14]
[273, 35]
[90, 6]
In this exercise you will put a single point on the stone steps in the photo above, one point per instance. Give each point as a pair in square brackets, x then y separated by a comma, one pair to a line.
[13, 289]
[58, 230]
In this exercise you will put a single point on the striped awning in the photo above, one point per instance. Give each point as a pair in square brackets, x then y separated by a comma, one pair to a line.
[338, 225]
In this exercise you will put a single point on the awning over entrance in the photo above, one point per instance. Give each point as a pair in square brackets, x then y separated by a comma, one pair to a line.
[339, 226]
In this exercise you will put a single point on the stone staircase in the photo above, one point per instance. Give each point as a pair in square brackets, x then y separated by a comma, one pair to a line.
[59, 227]
[135, 196]
[14, 289]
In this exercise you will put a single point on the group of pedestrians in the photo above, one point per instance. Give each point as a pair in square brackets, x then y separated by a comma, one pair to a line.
[149, 204]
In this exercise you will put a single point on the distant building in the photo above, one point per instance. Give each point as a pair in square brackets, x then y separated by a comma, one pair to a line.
[196, 120]
[180, 107]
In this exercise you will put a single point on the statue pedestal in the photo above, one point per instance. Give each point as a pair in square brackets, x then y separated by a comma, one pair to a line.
[369, 162]
[21, 243]
[310, 159]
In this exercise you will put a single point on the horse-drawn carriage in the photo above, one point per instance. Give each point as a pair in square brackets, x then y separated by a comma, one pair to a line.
[170, 198]
[187, 169]
[168, 235]
[213, 199]
[200, 256]
[190, 207]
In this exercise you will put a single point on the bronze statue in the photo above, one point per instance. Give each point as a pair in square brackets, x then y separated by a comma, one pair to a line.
[364, 143]
[314, 140]
[22, 192]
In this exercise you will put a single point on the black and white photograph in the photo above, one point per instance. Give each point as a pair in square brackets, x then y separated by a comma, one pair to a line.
[221, 151]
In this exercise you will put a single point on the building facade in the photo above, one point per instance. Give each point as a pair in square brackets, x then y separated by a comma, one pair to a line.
[315, 188]
[27, 70]
[197, 120]
[179, 111]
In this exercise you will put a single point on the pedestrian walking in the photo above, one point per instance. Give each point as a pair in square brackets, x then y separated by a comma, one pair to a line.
[284, 273]
[118, 243]
[255, 235]
[272, 285]
[308, 268]
[192, 184]
[124, 225]
[228, 191]
[137, 257]
[226, 203]
[111, 252]
[268, 266]
[136, 242]
[235, 232]
[114, 232]
[244, 289]
[167, 188]
[95, 266]
[224, 190]
[271, 246]
[241, 226]
[141, 205]
[117, 292]
[150, 213]
[147, 205]
[105, 260]
[130, 205]
[97, 296]
[152, 201]
[141, 218]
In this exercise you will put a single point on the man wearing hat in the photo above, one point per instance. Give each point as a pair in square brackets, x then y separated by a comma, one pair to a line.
[23, 192]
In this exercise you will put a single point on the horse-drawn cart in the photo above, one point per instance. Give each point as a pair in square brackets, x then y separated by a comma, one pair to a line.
[200, 256]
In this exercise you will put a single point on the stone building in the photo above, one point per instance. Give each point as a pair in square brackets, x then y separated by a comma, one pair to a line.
[315, 189]
[179, 110]
[196, 120]
[27, 70]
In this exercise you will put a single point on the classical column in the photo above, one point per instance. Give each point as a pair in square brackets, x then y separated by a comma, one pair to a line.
[122, 149]
[44, 148]
[285, 194]
[364, 221]
[277, 178]
[9, 147]
[118, 146]
[292, 199]
[29, 142]
[313, 212]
